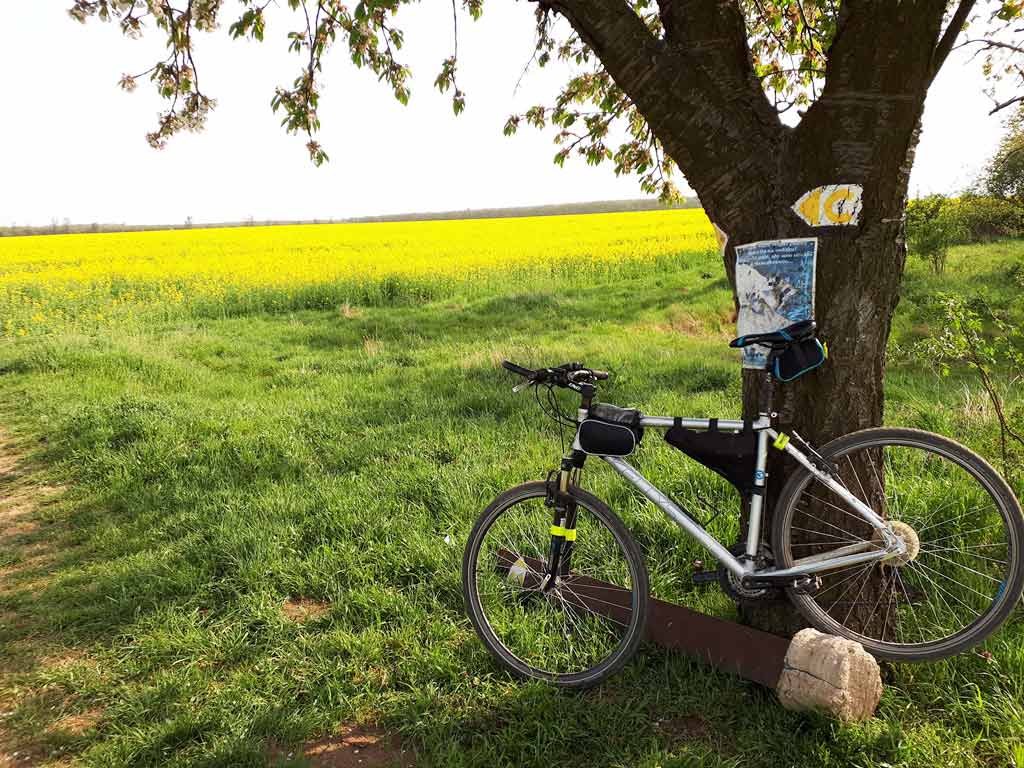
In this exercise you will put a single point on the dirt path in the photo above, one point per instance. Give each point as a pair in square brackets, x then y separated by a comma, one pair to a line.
[27, 554]
[25, 548]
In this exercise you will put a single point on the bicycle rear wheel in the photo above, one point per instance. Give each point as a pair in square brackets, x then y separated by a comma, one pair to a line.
[963, 572]
[575, 630]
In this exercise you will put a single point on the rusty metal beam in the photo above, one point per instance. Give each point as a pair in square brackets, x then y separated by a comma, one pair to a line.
[726, 645]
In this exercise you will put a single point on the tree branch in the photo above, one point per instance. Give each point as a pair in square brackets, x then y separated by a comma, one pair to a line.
[1001, 105]
[953, 30]
[712, 36]
[988, 44]
[878, 71]
[696, 89]
[614, 32]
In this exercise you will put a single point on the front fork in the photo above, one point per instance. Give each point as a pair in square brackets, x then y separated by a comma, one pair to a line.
[563, 518]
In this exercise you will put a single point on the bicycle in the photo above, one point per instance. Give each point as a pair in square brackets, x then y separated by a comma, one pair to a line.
[903, 540]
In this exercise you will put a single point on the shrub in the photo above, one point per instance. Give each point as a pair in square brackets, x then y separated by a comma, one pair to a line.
[985, 340]
[932, 229]
[935, 223]
[924, 209]
[987, 218]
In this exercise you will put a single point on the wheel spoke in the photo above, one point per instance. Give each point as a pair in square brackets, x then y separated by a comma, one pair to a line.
[822, 533]
[565, 626]
[966, 568]
[854, 515]
[950, 520]
[831, 525]
[956, 528]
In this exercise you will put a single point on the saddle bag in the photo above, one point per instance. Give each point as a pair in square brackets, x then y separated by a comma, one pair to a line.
[733, 455]
[797, 359]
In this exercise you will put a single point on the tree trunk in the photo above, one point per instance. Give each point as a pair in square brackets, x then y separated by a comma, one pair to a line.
[862, 130]
[859, 272]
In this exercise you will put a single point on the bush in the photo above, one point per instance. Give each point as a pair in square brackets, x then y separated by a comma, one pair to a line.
[985, 218]
[932, 229]
[1016, 273]
[987, 341]
[936, 223]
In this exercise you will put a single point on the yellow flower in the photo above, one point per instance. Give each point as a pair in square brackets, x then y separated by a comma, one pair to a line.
[110, 277]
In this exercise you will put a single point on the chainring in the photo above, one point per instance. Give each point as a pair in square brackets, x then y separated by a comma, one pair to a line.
[730, 583]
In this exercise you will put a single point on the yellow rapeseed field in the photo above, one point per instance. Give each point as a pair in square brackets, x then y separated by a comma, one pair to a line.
[57, 282]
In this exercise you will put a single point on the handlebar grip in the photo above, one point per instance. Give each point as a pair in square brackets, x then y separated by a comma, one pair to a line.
[524, 372]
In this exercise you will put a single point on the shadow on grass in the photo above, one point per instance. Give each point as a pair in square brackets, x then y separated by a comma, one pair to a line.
[503, 316]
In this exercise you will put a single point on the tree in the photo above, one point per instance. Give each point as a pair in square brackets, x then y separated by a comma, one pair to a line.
[1004, 173]
[694, 84]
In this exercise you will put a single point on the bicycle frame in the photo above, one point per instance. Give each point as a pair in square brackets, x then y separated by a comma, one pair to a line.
[844, 556]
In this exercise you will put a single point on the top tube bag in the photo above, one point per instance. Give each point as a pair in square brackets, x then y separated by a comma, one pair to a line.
[610, 431]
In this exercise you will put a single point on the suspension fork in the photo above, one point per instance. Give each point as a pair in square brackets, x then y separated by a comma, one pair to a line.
[563, 516]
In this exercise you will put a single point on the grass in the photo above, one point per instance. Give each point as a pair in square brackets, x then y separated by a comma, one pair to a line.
[246, 530]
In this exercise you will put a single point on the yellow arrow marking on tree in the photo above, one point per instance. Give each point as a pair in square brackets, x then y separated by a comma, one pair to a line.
[810, 207]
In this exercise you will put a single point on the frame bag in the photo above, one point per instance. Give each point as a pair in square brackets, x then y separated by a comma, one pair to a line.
[733, 455]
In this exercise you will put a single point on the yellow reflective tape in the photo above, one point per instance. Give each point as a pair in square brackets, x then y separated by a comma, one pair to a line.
[781, 441]
[824, 346]
[569, 534]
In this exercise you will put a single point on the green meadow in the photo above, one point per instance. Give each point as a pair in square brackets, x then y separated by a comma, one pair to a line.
[226, 538]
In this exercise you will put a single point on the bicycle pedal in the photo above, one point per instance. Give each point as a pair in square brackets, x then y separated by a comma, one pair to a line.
[809, 585]
[701, 578]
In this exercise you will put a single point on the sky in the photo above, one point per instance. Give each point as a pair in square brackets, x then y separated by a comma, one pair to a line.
[73, 144]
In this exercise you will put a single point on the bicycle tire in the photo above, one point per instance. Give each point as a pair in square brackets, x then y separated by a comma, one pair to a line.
[996, 487]
[639, 580]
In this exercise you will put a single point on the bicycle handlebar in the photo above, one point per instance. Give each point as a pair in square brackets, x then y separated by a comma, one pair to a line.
[526, 373]
[560, 375]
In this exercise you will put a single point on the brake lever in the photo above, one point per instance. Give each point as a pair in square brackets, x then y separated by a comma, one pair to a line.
[521, 386]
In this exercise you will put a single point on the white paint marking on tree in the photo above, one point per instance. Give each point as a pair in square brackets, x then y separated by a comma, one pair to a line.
[723, 239]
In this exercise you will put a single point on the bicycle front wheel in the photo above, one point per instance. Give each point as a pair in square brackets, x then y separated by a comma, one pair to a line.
[573, 629]
[963, 571]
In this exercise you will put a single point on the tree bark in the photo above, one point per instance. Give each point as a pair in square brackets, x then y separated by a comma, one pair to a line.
[696, 88]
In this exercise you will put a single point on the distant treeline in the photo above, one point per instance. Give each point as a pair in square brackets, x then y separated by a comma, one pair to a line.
[77, 229]
[562, 209]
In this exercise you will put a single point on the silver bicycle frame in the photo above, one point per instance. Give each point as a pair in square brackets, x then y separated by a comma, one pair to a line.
[850, 555]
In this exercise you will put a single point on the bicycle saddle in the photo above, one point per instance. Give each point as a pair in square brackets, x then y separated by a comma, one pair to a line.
[796, 332]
